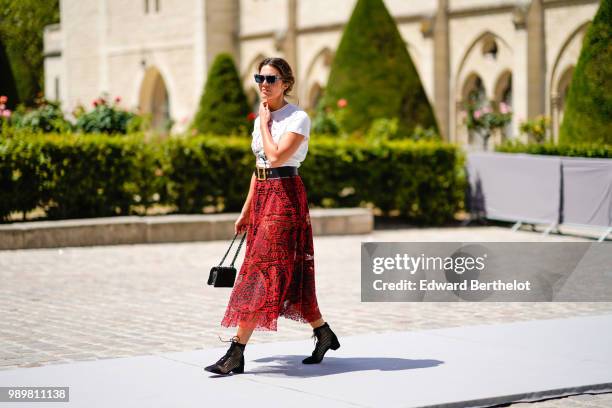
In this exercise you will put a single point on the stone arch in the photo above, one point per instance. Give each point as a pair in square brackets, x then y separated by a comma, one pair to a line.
[503, 93]
[473, 84]
[247, 75]
[475, 53]
[314, 95]
[154, 99]
[561, 75]
[558, 98]
[248, 84]
[476, 62]
[317, 73]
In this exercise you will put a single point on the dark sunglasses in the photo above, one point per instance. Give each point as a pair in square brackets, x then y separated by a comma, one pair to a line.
[269, 78]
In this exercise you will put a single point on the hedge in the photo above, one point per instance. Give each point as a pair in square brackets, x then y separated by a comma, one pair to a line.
[74, 176]
[223, 105]
[594, 150]
[374, 73]
[589, 101]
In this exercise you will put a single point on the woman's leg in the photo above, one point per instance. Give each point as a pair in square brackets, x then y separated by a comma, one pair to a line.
[317, 323]
[244, 334]
[326, 339]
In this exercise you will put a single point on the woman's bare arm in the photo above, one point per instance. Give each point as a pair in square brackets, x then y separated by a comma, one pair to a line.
[247, 203]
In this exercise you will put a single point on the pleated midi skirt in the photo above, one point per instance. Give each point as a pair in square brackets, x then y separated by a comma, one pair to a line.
[277, 277]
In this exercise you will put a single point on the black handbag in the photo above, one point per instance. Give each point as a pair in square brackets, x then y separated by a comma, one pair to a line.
[224, 276]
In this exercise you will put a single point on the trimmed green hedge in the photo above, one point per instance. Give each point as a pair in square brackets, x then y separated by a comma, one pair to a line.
[223, 105]
[572, 150]
[373, 73]
[74, 176]
[589, 101]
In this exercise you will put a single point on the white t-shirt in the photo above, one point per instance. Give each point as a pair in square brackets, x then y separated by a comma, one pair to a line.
[289, 118]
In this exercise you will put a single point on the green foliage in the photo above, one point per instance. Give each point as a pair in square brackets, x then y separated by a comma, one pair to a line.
[22, 25]
[536, 128]
[206, 170]
[383, 129]
[71, 176]
[595, 150]
[419, 180]
[373, 72]
[325, 123]
[223, 106]
[46, 117]
[105, 118]
[589, 101]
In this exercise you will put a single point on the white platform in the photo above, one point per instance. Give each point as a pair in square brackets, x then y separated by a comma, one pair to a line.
[458, 367]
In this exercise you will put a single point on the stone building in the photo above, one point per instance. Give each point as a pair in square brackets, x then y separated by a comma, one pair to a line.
[155, 53]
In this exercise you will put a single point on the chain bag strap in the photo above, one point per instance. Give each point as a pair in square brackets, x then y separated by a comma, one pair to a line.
[224, 276]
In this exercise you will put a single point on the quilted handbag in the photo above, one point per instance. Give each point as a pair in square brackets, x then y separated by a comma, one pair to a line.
[224, 276]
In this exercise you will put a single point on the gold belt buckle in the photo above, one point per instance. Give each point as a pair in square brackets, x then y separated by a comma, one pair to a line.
[261, 173]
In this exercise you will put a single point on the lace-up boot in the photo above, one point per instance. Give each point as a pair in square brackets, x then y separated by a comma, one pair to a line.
[232, 361]
[325, 339]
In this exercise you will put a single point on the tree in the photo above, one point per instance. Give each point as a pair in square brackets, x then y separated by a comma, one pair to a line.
[223, 106]
[374, 73]
[21, 32]
[7, 81]
[589, 101]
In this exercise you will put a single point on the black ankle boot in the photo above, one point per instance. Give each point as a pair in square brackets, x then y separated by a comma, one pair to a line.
[326, 339]
[233, 360]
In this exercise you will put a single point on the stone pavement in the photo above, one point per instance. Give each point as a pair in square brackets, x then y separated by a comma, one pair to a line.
[89, 303]
[468, 366]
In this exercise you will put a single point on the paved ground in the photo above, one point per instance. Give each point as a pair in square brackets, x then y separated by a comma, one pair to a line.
[73, 304]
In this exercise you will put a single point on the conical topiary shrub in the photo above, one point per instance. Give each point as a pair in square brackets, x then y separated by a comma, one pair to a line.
[373, 72]
[589, 101]
[223, 106]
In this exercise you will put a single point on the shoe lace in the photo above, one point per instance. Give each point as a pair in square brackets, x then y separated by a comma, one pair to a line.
[228, 353]
[232, 339]
[314, 338]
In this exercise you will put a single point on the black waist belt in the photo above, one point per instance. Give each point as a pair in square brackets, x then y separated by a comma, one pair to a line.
[263, 173]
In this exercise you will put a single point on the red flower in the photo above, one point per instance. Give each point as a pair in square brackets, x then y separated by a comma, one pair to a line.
[251, 116]
[3, 99]
[342, 103]
[117, 99]
[95, 103]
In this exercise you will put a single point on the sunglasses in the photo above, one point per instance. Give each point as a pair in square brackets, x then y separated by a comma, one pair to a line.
[269, 78]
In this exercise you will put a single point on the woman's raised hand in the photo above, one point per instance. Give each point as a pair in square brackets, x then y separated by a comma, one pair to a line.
[264, 113]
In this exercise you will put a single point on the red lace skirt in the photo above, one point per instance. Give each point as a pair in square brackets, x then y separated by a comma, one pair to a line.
[277, 277]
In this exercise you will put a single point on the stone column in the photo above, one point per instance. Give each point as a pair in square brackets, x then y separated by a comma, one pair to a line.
[222, 26]
[520, 80]
[103, 80]
[290, 46]
[536, 60]
[441, 68]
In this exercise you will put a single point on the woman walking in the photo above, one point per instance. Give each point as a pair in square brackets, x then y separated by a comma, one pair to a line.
[277, 277]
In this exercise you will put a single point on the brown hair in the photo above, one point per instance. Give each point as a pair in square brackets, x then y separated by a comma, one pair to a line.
[283, 67]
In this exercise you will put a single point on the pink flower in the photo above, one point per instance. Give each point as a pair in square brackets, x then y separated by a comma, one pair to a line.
[95, 103]
[477, 114]
[117, 99]
[342, 103]
[6, 113]
[3, 99]
[2, 106]
[504, 108]
[487, 109]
